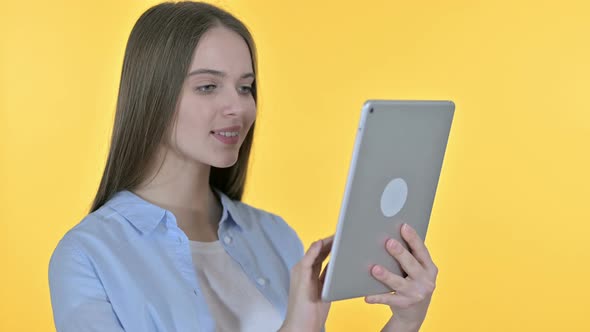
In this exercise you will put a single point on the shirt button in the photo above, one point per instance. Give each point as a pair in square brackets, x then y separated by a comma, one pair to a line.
[196, 293]
[227, 239]
[180, 239]
[261, 281]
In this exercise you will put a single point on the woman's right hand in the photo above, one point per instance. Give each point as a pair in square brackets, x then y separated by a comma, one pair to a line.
[306, 311]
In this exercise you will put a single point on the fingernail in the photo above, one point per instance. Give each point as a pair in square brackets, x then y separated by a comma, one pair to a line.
[392, 244]
[408, 228]
[394, 247]
[378, 270]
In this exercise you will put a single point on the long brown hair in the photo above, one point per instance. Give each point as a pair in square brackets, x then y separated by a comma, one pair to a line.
[157, 58]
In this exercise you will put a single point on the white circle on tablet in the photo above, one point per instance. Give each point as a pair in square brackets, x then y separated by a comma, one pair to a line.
[394, 197]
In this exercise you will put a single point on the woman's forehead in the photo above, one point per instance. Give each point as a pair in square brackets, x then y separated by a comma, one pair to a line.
[222, 49]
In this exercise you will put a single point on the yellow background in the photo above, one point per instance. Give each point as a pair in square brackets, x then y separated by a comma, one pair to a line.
[510, 225]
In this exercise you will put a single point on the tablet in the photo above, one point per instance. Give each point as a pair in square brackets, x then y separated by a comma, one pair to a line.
[392, 179]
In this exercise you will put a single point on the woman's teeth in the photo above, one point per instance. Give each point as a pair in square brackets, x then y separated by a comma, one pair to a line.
[228, 133]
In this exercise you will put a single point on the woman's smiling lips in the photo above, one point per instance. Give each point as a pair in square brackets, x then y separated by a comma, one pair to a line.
[227, 135]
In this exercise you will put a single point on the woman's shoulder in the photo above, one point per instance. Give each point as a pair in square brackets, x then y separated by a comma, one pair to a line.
[104, 226]
[75, 246]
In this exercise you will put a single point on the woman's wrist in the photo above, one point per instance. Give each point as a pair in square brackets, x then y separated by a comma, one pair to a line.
[396, 325]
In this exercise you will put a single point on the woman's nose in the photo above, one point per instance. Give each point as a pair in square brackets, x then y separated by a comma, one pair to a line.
[233, 103]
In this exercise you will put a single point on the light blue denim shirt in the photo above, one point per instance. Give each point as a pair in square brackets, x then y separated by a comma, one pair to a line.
[128, 267]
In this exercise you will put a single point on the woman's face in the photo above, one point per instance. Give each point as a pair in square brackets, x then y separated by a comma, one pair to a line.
[216, 108]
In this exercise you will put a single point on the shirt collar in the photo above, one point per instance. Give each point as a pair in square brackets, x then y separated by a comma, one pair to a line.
[146, 216]
[230, 210]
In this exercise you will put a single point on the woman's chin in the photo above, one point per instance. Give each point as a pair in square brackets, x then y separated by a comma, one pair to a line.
[224, 162]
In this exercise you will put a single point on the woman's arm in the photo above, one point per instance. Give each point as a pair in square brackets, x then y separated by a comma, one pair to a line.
[78, 298]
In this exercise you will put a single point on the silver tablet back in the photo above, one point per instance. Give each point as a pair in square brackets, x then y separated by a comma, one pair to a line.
[392, 179]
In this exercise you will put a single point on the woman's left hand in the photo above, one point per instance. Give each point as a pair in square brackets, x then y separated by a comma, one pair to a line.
[412, 294]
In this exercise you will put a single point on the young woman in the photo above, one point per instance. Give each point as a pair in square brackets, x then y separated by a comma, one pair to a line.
[168, 246]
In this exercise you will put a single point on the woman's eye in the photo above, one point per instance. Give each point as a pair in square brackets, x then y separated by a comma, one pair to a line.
[246, 89]
[206, 88]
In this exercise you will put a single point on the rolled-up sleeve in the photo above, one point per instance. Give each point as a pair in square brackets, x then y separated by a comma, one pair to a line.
[78, 298]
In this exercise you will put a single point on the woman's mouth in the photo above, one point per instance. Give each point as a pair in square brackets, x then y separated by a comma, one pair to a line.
[229, 135]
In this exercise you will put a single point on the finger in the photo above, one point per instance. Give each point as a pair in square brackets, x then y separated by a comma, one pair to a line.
[407, 261]
[319, 260]
[325, 250]
[327, 242]
[312, 253]
[419, 249]
[394, 282]
[322, 279]
[323, 275]
[395, 301]
[413, 293]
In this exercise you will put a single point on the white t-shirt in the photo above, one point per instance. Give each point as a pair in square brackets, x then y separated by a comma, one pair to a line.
[234, 301]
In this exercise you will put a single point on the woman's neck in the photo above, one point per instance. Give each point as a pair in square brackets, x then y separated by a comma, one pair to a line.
[183, 189]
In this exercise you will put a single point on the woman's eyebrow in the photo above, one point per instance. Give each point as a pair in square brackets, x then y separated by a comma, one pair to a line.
[216, 73]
